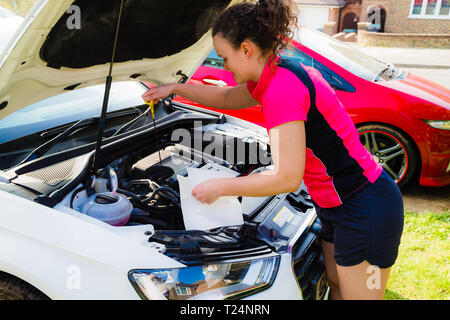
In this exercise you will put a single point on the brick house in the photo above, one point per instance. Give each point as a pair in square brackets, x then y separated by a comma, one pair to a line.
[405, 23]
[408, 23]
[411, 16]
[390, 16]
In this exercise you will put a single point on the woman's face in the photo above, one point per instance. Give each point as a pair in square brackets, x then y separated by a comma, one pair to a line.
[234, 60]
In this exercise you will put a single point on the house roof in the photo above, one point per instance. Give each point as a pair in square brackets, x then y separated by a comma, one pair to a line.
[324, 3]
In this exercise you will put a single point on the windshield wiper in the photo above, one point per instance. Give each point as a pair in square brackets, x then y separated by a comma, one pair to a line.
[131, 123]
[43, 148]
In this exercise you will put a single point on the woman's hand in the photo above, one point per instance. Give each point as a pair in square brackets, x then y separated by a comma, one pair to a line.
[287, 144]
[161, 92]
[288, 153]
[208, 191]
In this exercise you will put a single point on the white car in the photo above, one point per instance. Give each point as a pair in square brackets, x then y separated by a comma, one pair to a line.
[88, 181]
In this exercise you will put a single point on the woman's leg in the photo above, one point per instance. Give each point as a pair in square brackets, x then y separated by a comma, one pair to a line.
[331, 270]
[362, 281]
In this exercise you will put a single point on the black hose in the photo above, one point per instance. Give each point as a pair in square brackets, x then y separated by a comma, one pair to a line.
[138, 182]
[138, 202]
[170, 190]
[174, 199]
[132, 196]
[141, 204]
[156, 188]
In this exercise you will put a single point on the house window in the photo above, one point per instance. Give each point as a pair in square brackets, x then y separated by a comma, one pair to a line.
[430, 9]
[445, 8]
[417, 6]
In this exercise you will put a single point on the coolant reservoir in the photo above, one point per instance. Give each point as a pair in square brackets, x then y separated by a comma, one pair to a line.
[109, 207]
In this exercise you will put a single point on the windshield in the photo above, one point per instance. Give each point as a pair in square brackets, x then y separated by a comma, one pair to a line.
[351, 59]
[69, 107]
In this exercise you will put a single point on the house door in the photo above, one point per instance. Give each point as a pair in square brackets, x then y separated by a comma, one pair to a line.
[350, 23]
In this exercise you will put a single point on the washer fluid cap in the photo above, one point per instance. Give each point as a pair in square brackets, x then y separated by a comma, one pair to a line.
[106, 199]
[114, 209]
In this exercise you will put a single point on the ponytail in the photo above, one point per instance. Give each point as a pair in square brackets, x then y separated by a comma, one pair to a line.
[270, 24]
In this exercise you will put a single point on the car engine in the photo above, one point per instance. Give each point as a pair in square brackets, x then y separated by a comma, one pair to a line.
[146, 191]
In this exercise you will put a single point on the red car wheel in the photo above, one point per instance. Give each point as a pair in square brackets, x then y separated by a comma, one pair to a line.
[392, 149]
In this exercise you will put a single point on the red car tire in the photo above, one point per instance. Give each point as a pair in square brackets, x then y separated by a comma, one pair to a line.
[393, 149]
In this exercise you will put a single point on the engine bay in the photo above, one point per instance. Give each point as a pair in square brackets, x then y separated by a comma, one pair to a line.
[137, 185]
[149, 187]
[141, 187]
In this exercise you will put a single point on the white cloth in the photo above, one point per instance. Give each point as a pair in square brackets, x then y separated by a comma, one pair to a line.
[225, 211]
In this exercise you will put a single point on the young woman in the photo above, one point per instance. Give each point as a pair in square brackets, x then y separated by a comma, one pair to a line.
[312, 139]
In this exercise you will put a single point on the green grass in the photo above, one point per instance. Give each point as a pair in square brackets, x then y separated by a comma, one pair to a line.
[421, 271]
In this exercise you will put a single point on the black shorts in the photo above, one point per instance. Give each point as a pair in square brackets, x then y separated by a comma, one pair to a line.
[367, 226]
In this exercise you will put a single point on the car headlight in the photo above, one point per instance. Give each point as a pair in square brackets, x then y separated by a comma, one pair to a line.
[439, 124]
[206, 282]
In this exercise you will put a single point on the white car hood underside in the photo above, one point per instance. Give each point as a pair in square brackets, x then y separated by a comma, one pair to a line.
[26, 78]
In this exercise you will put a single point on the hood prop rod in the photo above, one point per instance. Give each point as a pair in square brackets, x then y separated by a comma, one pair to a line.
[101, 124]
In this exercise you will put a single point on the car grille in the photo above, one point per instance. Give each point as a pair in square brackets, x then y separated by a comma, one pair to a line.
[308, 265]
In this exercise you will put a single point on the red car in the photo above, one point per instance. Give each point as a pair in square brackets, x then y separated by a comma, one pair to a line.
[403, 120]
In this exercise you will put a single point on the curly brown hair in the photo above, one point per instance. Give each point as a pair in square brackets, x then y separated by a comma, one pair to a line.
[270, 24]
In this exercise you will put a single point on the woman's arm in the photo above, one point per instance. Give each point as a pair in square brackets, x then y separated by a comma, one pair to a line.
[211, 96]
[288, 154]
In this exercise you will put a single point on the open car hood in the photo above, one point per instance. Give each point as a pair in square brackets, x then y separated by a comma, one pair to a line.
[65, 45]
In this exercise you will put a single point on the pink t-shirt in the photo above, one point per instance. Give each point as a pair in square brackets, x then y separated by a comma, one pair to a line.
[337, 164]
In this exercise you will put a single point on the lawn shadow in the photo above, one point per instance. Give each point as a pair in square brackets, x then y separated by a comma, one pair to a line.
[391, 295]
[420, 199]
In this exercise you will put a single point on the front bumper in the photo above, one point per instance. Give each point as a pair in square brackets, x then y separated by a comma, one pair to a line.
[434, 150]
[301, 274]
[309, 267]
[438, 171]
